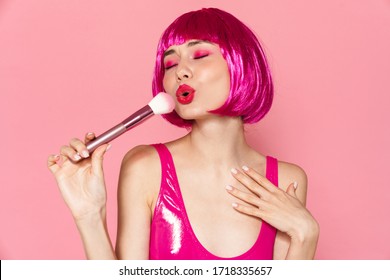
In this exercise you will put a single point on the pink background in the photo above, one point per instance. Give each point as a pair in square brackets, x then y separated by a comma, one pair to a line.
[68, 67]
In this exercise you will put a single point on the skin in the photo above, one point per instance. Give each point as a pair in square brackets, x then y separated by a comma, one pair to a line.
[224, 175]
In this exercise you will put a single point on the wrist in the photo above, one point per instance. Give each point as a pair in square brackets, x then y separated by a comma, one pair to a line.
[303, 245]
[94, 234]
[92, 218]
[307, 233]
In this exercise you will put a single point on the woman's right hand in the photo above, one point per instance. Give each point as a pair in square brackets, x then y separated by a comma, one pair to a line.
[80, 177]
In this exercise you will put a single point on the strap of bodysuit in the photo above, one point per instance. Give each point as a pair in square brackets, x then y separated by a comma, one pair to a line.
[272, 170]
[164, 157]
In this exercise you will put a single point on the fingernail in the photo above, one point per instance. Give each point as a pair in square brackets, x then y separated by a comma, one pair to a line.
[85, 154]
[235, 205]
[234, 171]
[295, 185]
[77, 157]
[108, 147]
[245, 168]
[229, 188]
[56, 157]
[89, 134]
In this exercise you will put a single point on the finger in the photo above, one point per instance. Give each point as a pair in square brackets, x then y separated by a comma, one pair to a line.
[261, 180]
[247, 197]
[80, 147]
[97, 158]
[89, 137]
[291, 189]
[248, 210]
[52, 163]
[69, 153]
[249, 183]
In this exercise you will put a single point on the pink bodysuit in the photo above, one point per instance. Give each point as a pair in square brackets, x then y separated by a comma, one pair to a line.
[172, 237]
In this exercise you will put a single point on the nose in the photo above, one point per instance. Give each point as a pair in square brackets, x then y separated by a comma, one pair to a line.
[183, 72]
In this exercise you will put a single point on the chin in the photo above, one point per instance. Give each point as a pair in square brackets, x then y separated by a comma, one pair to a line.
[192, 113]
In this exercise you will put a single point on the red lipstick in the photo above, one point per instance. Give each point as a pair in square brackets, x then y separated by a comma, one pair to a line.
[185, 94]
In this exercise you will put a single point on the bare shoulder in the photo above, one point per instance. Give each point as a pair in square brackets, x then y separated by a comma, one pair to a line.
[141, 169]
[139, 156]
[289, 173]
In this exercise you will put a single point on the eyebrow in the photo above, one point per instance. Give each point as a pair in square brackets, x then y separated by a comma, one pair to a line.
[189, 44]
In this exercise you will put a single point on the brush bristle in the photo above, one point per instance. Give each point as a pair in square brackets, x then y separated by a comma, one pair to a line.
[162, 103]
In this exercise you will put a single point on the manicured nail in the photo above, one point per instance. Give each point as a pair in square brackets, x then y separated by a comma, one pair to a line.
[295, 185]
[85, 153]
[234, 171]
[77, 157]
[108, 147]
[89, 133]
[245, 168]
[235, 205]
[229, 188]
[56, 157]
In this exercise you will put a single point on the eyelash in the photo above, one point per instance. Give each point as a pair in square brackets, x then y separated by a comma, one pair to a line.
[200, 56]
[196, 56]
[170, 66]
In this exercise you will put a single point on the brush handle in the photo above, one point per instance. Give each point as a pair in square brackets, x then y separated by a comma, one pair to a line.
[130, 122]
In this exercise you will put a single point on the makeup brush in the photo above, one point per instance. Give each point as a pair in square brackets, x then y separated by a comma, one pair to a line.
[162, 103]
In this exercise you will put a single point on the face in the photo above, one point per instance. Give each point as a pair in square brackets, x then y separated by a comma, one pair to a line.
[197, 77]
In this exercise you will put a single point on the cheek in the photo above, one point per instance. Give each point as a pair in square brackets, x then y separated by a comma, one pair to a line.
[167, 83]
[218, 89]
[221, 79]
[223, 84]
[225, 77]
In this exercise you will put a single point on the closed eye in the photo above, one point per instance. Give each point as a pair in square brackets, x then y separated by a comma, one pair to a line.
[169, 66]
[201, 54]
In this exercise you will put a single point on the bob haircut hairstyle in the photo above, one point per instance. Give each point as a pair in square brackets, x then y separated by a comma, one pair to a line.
[251, 88]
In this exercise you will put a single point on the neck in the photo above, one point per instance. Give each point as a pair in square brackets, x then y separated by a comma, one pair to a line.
[218, 140]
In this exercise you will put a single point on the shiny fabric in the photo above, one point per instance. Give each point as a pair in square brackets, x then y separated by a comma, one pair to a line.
[172, 237]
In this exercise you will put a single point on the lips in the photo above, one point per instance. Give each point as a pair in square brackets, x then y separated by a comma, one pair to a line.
[185, 94]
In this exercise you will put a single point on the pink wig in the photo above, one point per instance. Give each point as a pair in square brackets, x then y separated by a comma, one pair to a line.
[251, 88]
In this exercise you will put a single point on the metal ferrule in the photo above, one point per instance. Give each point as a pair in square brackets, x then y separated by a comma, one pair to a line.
[139, 116]
[121, 128]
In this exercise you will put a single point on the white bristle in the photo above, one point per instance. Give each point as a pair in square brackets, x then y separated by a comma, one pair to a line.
[162, 103]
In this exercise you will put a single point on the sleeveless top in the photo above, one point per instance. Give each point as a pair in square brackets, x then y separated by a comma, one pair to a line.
[172, 237]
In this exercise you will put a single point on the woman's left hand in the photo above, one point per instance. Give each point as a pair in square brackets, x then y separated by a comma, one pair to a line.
[279, 208]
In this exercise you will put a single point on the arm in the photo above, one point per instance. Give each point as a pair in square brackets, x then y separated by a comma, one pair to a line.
[82, 186]
[139, 184]
[296, 248]
[95, 237]
[81, 182]
[136, 189]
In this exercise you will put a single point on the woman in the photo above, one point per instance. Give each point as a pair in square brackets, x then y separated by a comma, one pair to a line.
[207, 195]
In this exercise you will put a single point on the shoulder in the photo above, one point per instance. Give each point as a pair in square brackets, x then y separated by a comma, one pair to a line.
[289, 173]
[140, 172]
[140, 157]
[292, 172]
